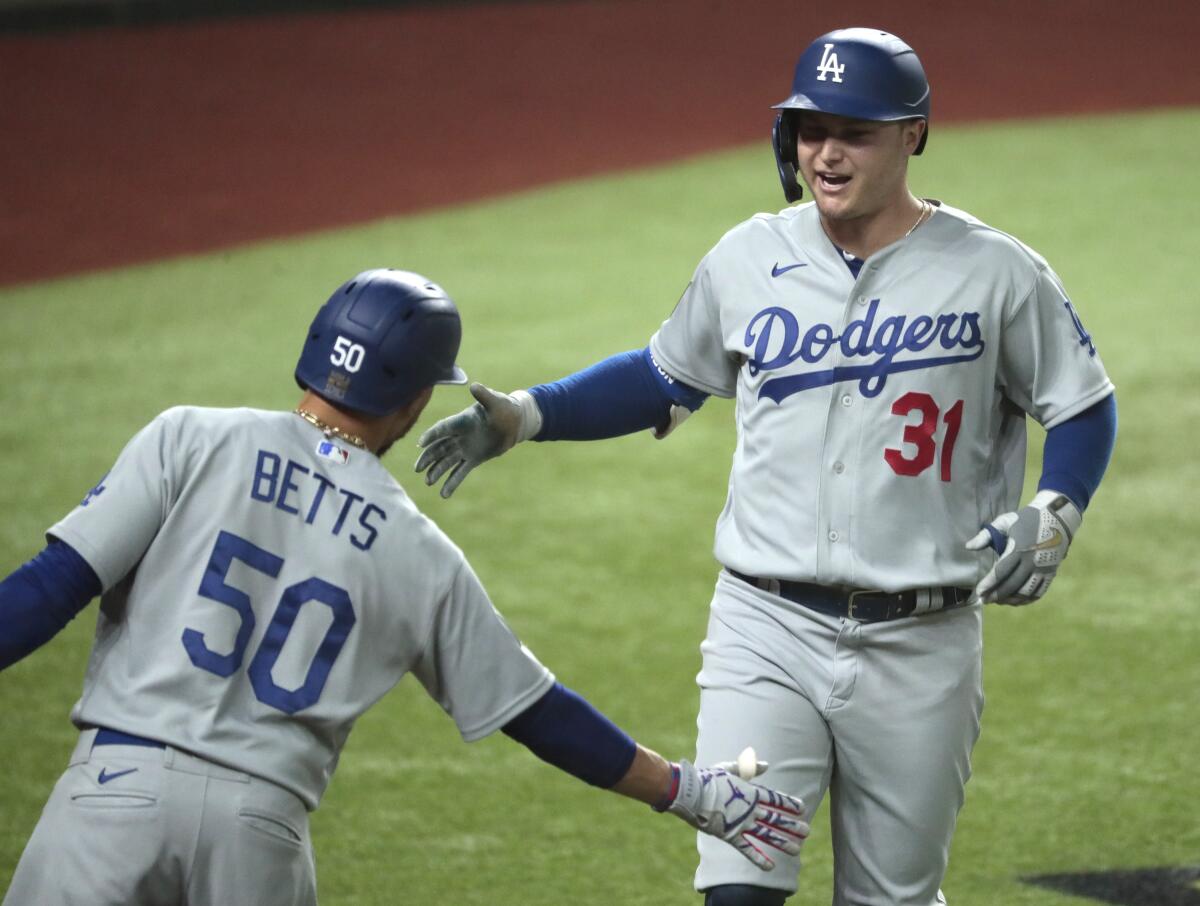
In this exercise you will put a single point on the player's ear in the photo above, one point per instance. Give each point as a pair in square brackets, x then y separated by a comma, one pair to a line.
[913, 131]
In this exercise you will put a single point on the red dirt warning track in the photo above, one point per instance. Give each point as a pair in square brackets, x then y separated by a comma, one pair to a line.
[127, 144]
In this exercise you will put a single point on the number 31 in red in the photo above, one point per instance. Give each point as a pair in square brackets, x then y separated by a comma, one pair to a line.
[921, 435]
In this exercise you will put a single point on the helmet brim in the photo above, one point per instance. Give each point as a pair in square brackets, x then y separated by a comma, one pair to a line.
[857, 109]
[456, 376]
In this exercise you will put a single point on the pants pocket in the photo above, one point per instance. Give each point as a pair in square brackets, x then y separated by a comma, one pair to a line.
[113, 800]
[273, 825]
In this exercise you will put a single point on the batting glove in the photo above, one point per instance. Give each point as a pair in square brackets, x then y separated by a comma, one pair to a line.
[1031, 543]
[747, 816]
[457, 444]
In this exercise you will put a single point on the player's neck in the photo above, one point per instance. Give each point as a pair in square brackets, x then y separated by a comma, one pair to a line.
[348, 423]
[377, 433]
[864, 236]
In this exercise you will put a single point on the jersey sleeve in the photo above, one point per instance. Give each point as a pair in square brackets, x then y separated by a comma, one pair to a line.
[689, 345]
[1049, 365]
[116, 521]
[474, 666]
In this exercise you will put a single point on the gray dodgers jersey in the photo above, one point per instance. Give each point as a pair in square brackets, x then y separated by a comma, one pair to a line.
[264, 586]
[880, 420]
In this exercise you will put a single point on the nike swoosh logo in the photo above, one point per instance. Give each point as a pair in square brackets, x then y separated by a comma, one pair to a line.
[105, 777]
[1050, 543]
[778, 271]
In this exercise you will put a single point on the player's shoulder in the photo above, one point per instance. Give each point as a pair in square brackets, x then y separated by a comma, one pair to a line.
[782, 222]
[419, 545]
[754, 229]
[205, 424]
[431, 534]
[220, 418]
[971, 236]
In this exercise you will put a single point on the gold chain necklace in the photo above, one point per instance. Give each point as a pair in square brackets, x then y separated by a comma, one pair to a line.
[330, 430]
[925, 206]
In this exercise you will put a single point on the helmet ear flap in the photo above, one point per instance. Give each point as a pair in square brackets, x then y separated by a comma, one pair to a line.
[783, 141]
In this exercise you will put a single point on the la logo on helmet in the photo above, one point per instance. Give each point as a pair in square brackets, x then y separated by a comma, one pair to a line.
[829, 65]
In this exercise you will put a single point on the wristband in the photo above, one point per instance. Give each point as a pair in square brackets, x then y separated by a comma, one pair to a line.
[672, 791]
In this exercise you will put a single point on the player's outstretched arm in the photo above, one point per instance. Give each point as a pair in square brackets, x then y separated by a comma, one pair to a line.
[565, 730]
[494, 425]
[718, 801]
[622, 394]
[41, 597]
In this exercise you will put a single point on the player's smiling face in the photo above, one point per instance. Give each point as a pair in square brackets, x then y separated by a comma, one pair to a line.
[854, 168]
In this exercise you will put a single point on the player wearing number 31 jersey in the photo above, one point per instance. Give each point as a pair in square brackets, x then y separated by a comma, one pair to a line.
[908, 385]
[265, 581]
[884, 352]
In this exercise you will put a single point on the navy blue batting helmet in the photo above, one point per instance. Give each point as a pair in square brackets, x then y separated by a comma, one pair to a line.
[863, 73]
[382, 338]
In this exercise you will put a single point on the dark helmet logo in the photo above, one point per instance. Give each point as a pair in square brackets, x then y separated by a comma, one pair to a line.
[337, 385]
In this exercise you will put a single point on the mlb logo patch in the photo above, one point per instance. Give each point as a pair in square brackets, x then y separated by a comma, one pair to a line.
[327, 449]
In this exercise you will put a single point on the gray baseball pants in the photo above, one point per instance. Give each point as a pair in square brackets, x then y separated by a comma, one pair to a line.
[137, 826]
[882, 716]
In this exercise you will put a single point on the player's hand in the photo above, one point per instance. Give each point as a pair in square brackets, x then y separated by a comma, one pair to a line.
[749, 817]
[1031, 542]
[457, 444]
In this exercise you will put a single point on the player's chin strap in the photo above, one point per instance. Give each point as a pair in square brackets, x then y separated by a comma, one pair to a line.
[1031, 542]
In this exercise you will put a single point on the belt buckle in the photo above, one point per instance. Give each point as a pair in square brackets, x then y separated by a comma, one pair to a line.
[851, 604]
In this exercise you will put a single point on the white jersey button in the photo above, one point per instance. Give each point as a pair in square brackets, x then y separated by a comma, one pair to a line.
[847, 399]
[839, 468]
[833, 535]
[862, 300]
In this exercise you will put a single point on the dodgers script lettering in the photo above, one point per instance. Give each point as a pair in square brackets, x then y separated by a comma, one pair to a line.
[775, 340]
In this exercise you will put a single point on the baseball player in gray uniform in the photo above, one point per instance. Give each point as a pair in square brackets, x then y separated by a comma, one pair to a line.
[265, 581]
[884, 352]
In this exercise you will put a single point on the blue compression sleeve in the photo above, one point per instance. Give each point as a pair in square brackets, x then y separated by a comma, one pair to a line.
[563, 729]
[1077, 452]
[624, 393]
[42, 597]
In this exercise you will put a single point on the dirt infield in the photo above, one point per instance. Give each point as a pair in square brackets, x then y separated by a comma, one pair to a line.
[126, 144]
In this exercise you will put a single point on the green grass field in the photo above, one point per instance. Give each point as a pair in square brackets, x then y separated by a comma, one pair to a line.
[600, 554]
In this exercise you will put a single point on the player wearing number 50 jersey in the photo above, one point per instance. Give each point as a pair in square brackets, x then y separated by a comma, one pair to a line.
[884, 352]
[265, 581]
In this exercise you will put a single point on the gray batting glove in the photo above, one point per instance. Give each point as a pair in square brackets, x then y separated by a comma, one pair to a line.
[1032, 543]
[747, 816]
[457, 444]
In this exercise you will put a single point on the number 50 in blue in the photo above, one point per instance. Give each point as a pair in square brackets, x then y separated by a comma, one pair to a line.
[230, 547]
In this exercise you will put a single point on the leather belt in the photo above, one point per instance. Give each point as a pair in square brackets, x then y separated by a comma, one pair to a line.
[107, 737]
[863, 606]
